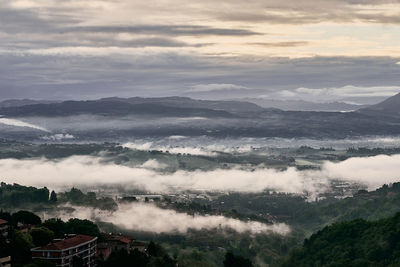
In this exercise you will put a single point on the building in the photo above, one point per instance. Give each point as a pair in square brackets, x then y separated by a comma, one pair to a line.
[73, 248]
[4, 228]
[5, 261]
[118, 242]
[103, 251]
[114, 242]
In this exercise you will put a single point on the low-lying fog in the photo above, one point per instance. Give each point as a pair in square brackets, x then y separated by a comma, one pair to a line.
[89, 128]
[150, 218]
[92, 172]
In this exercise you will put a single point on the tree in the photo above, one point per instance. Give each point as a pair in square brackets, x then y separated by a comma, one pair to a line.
[85, 227]
[155, 250]
[21, 245]
[236, 261]
[26, 217]
[53, 196]
[41, 236]
[57, 226]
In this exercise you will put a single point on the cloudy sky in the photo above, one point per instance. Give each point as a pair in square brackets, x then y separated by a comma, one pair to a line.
[319, 50]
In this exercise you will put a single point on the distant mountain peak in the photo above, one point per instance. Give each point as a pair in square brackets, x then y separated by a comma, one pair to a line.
[388, 107]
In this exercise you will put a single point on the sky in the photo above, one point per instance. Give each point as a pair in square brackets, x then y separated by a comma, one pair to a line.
[315, 50]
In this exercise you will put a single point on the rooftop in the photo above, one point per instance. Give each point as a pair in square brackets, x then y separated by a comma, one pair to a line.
[67, 243]
[120, 238]
[3, 221]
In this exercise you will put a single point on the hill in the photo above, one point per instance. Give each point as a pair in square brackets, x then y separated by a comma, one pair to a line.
[389, 107]
[301, 105]
[127, 117]
[185, 102]
[354, 243]
[109, 108]
[23, 102]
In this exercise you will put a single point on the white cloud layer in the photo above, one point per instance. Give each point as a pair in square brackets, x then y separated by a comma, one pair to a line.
[18, 123]
[344, 93]
[149, 218]
[85, 171]
[215, 87]
[58, 137]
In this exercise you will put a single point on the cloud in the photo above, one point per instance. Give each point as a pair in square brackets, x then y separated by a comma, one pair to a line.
[170, 30]
[215, 87]
[149, 218]
[153, 164]
[86, 171]
[92, 75]
[58, 137]
[314, 11]
[372, 171]
[18, 123]
[282, 44]
[342, 93]
[210, 150]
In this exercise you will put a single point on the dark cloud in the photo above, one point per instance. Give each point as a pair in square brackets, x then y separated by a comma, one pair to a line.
[165, 74]
[174, 30]
[45, 52]
[13, 21]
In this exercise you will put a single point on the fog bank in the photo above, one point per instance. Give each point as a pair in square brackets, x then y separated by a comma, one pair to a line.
[149, 218]
[18, 123]
[88, 171]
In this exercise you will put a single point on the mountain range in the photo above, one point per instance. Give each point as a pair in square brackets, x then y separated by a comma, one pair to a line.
[127, 117]
[301, 105]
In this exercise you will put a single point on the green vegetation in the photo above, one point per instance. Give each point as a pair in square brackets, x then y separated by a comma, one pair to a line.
[72, 226]
[236, 261]
[208, 247]
[311, 216]
[40, 234]
[77, 197]
[17, 195]
[354, 243]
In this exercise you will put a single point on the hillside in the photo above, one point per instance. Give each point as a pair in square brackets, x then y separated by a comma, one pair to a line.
[301, 105]
[354, 243]
[109, 108]
[127, 117]
[389, 107]
[185, 102]
[23, 102]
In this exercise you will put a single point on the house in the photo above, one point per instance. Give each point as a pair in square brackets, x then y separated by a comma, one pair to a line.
[4, 228]
[118, 241]
[115, 242]
[64, 252]
[5, 261]
[141, 246]
[103, 251]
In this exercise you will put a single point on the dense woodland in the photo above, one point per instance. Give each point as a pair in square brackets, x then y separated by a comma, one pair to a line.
[353, 243]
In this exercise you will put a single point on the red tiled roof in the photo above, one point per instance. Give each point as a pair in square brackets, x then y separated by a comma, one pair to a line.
[3, 221]
[122, 238]
[67, 243]
[125, 240]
